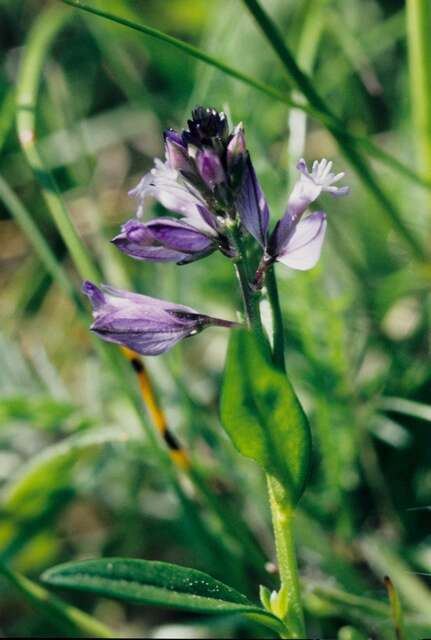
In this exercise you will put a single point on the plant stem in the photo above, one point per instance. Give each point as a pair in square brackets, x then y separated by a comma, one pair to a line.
[282, 519]
[250, 297]
[277, 318]
[282, 512]
[419, 45]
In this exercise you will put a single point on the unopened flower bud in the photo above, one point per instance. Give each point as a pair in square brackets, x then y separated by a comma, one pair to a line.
[210, 168]
[176, 152]
[236, 148]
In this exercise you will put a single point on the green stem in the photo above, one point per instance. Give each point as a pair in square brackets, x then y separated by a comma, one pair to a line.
[250, 297]
[419, 45]
[277, 318]
[282, 514]
[282, 519]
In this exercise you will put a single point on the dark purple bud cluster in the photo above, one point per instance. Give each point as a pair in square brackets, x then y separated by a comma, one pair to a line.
[209, 157]
[208, 127]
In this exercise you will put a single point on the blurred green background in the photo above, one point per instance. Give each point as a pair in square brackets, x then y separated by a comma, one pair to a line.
[357, 326]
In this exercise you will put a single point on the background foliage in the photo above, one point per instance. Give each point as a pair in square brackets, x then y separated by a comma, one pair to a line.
[78, 477]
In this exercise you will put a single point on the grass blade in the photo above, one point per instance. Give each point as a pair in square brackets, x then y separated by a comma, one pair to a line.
[67, 619]
[189, 49]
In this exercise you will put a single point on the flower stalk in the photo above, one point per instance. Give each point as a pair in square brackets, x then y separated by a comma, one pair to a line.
[250, 297]
[277, 319]
[282, 520]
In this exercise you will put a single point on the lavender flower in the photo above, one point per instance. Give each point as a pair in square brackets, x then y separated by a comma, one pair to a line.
[297, 241]
[165, 240]
[252, 206]
[146, 325]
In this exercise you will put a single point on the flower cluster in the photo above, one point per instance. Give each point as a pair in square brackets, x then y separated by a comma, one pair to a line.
[208, 181]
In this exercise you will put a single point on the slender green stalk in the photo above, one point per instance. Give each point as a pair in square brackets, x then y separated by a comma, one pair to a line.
[419, 45]
[249, 296]
[277, 319]
[304, 84]
[282, 520]
[325, 118]
[186, 48]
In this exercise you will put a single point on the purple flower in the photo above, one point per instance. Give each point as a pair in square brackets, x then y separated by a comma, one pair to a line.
[210, 168]
[194, 174]
[176, 151]
[236, 149]
[146, 325]
[164, 240]
[168, 186]
[297, 241]
[207, 127]
[302, 243]
[252, 206]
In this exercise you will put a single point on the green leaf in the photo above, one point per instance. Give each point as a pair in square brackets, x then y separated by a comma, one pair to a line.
[262, 415]
[156, 583]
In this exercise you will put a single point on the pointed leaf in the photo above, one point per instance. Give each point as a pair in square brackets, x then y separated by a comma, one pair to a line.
[262, 415]
[157, 583]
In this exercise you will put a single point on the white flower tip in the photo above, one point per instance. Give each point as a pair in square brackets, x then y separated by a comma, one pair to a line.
[321, 175]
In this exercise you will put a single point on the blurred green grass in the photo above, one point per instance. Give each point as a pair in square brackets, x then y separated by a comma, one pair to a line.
[357, 325]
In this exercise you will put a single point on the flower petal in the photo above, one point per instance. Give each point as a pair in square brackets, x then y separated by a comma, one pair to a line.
[163, 240]
[180, 236]
[303, 249]
[252, 206]
[146, 343]
[304, 192]
[168, 187]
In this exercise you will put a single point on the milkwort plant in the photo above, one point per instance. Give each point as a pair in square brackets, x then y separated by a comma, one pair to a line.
[208, 181]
